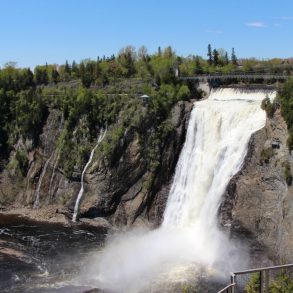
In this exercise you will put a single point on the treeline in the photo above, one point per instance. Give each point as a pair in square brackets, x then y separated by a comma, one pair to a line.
[26, 95]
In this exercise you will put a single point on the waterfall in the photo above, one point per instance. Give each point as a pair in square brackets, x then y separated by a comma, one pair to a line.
[61, 125]
[216, 144]
[80, 194]
[53, 174]
[37, 196]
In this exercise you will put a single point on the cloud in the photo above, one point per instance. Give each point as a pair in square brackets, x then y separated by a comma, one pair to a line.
[218, 32]
[258, 24]
[286, 18]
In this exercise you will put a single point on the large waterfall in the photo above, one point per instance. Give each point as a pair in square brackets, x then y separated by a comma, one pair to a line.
[216, 144]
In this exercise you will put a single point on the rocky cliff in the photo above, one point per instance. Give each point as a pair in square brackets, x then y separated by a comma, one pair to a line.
[122, 187]
[131, 185]
[257, 205]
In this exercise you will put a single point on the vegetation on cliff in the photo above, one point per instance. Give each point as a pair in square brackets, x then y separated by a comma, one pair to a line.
[286, 99]
[95, 93]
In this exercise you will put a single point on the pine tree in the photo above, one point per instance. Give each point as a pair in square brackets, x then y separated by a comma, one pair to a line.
[233, 57]
[67, 68]
[226, 59]
[198, 67]
[54, 75]
[215, 57]
[159, 51]
[210, 56]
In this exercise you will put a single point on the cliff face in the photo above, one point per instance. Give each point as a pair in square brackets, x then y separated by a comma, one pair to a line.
[258, 201]
[121, 188]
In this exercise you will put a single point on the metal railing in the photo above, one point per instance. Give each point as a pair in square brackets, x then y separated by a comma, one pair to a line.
[235, 76]
[228, 289]
[261, 279]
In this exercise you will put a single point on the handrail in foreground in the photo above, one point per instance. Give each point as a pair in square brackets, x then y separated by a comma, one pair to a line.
[231, 288]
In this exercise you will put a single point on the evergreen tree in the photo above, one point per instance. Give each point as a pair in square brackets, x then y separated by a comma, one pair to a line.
[74, 69]
[67, 69]
[198, 67]
[209, 54]
[28, 78]
[215, 57]
[159, 51]
[233, 57]
[226, 59]
[54, 75]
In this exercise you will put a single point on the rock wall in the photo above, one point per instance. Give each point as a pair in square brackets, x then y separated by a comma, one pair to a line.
[258, 204]
[121, 188]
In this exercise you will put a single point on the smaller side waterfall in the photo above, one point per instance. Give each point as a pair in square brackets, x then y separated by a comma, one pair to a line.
[80, 194]
[53, 174]
[37, 197]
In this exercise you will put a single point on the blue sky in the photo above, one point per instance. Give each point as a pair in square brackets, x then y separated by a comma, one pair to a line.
[38, 31]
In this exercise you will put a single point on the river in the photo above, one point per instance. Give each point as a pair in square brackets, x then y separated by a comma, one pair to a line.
[44, 257]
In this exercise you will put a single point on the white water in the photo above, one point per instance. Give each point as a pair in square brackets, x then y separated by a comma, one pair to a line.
[80, 194]
[216, 144]
[56, 159]
[37, 197]
[53, 175]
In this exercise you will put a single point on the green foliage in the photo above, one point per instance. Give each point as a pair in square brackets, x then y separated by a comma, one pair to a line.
[269, 107]
[183, 93]
[22, 160]
[253, 285]
[285, 97]
[41, 75]
[266, 155]
[288, 174]
[290, 139]
[188, 289]
[18, 165]
[29, 111]
[282, 284]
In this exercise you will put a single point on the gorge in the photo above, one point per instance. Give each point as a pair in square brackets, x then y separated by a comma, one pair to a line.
[192, 220]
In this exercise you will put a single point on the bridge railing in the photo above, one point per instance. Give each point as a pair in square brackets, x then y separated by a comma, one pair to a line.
[243, 75]
[261, 279]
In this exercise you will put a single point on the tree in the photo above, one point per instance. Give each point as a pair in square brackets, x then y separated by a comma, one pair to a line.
[233, 57]
[27, 78]
[210, 56]
[74, 69]
[198, 68]
[41, 75]
[126, 58]
[54, 75]
[159, 51]
[226, 59]
[215, 57]
[67, 68]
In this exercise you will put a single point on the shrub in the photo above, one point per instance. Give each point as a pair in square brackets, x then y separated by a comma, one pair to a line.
[22, 162]
[269, 107]
[253, 285]
[266, 155]
[288, 174]
[282, 284]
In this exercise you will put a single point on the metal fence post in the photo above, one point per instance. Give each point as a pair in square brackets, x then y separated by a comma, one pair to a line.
[233, 280]
[260, 282]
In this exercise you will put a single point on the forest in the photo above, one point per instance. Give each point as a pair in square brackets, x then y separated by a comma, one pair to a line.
[105, 90]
